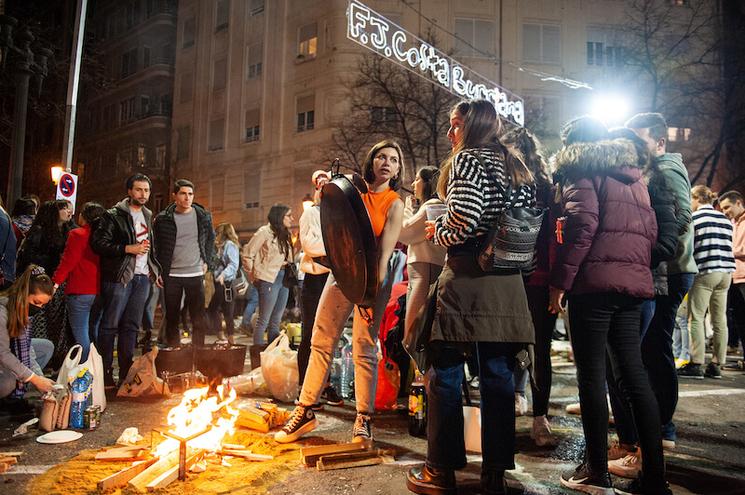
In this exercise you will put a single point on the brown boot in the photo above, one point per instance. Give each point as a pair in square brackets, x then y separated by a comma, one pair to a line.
[431, 481]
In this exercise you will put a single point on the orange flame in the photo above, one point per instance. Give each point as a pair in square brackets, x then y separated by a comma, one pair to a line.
[196, 412]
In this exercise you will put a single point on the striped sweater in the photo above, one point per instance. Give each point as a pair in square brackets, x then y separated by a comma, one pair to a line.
[712, 241]
[476, 195]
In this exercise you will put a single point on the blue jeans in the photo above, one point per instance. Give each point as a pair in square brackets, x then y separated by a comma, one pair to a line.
[79, 313]
[445, 443]
[681, 347]
[44, 349]
[272, 302]
[253, 302]
[657, 348]
[123, 307]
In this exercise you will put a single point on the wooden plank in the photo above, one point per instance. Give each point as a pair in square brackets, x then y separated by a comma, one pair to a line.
[233, 446]
[8, 460]
[246, 454]
[354, 459]
[128, 455]
[4, 466]
[262, 426]
[310, 455]
[11, 454]
[171, 474]
[120, 478]
[163, 464]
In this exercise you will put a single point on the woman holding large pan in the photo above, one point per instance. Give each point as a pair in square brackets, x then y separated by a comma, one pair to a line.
[383, 172]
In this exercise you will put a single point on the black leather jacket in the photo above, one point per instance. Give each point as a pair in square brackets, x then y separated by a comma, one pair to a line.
[114, 231]
[165, 237]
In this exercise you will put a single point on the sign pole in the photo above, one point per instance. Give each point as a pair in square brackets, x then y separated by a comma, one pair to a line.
[72, 84]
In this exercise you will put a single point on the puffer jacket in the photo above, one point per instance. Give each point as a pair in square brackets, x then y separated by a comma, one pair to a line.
[113, 232]
[165, 237]
[665, 210]
[610, 225]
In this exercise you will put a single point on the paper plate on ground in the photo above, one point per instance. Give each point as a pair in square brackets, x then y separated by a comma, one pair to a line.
[60, 436]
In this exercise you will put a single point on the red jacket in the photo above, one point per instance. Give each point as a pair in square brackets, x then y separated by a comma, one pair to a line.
[610, 225]
[79, 264]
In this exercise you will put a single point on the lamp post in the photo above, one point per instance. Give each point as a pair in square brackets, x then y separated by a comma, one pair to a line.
[26, 63]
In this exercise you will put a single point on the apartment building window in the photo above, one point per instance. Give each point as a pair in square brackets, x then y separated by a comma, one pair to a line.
[166, 104]
[141, 151]
[144, 105]
[254, 61]
[217, 193]
[217, 135]
[126, 110]
[219, 75]
[256, 7]
[252, 188]
[160, 156]
[189, 31]
[129, 63]
[307, 41]
[222, 12]
[145, 57]
[186, 88]
[677, 134]
[475, 37]
[542, 43]
[183, 143]
[306, 113]
[133, 13]
[383, 115]
[253, 125]
[603, 48]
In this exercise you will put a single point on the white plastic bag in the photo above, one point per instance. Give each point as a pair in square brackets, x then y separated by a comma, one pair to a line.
[142, 379]
[279, 367]
[70, 364]
[94, 363]
[252, 383]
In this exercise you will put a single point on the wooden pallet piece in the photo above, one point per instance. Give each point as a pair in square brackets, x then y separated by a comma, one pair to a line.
[127, 454]
[121, 478]
[244, 422]
[246, 454]
[354, 459]
[11, 454]
[8, 460]
[310, 455]
[162, 465]
[171, 474]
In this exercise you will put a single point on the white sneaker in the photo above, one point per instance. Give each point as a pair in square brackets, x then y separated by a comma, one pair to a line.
[521, 405]
[302, 420]
[627, 467]
[573, 409]
[541, 432]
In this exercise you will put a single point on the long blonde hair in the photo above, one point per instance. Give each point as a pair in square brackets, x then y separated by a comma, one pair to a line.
[481, 129]
[223, 232]
[32, 281]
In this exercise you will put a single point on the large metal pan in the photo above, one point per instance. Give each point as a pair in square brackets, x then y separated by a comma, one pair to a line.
[351, 247]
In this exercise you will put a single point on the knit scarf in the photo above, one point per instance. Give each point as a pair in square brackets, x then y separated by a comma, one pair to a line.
[23, 222]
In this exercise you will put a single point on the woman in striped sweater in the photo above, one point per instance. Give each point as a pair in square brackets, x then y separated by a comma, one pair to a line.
[481, 313]
[712, 250]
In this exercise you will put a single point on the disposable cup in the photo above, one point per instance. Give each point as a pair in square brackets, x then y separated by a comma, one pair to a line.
[434, 211]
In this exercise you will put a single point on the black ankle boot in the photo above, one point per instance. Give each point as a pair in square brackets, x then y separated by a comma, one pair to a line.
[492, 482]
[426, 480]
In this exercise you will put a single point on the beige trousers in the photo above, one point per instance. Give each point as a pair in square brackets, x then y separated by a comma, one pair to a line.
[709, 292]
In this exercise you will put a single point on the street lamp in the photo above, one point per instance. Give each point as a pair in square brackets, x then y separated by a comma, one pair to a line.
[612, 109]
[57, 172]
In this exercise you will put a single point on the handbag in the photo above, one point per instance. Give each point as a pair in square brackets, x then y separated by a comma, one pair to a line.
[510, 244]
[239, 284]
[290, 278]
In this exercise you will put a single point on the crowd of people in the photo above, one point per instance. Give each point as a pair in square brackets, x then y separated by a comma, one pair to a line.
[624, 241]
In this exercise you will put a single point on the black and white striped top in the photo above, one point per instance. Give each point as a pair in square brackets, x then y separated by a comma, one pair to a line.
[712, 241]
[476, 195]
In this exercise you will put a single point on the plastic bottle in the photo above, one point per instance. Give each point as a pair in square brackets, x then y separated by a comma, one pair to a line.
[81, 398]
[347, 371]
[417, 407]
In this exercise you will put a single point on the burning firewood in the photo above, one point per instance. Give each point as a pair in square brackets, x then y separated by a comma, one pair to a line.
[171, 474]
[121, 478]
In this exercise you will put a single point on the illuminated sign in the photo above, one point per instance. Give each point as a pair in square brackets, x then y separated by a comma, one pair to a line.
[373, 31]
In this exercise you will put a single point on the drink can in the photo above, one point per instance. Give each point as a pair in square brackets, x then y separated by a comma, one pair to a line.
[91, 417]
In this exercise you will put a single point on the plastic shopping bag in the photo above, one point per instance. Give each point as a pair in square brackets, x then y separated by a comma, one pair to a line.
[142, 378]
[69, 365]
[279, 367]
[389, 382]
[94, 363]
[252, 383]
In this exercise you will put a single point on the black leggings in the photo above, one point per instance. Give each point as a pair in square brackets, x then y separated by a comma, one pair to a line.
[311, 293]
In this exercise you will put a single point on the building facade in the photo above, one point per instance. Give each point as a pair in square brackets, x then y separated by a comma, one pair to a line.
[124, 121]
[260, 84]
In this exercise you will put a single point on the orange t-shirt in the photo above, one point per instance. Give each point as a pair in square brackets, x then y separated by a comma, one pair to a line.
[377, 205]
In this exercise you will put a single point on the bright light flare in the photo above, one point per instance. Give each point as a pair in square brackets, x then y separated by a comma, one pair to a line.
[610, 108]
[57, 172]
